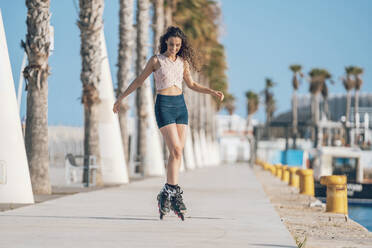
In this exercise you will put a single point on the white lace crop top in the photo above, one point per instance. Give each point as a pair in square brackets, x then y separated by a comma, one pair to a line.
[170, 72]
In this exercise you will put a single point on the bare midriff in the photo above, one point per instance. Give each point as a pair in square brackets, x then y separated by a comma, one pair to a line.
[171, 91]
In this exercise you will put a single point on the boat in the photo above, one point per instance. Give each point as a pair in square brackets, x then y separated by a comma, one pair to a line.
[326, 161]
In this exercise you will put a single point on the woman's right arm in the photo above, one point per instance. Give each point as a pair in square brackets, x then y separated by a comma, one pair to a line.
[136, 82]
[140, 79]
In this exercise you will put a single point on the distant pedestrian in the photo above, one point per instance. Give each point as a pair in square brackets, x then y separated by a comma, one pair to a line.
[170, 67]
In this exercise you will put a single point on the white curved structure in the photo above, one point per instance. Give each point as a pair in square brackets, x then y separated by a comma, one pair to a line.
[216, 147]
[212, 152]
[188, 151]
[114, 169]
[154, 160]
[204, 149]
[198, 151]
[15, 183]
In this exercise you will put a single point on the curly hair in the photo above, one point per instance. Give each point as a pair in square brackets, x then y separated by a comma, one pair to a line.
[186, 52]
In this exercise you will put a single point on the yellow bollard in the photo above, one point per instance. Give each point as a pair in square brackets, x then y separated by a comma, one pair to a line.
[285, 174]
[266, 166]
[294, 179]
[278, 170]
[336, 193]
[306, 181]
[272, 169]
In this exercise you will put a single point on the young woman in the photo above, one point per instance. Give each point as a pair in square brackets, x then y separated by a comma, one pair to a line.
[170, 67]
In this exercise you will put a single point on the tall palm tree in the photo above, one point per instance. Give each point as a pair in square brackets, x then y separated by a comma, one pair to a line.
[90, 24]
[325, 100]
[318, 78]
[269, 103]
[296, 69]
[124, 67]
[157, 25]
[349, 84]
[36, 46]
[357, 72]
[143, 21]
[230, 107]
[168, 13]
[252, 105]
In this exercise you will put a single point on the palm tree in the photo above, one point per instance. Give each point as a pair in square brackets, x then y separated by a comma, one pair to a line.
[143, 20]
[357, 72]
[90, 24]
[349, 84]
[269, 103]
[252, 105]
[296, 69]
[230, 107]
[157, 25]
[124, 67]
[318, 78]
[36, 46]
[325, 100]
[168, 13]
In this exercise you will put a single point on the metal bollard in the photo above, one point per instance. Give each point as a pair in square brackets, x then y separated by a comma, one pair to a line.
[278, 170]
[336, 193]
[272, 169]
[306, 181]
[294, 179]
[285, 174]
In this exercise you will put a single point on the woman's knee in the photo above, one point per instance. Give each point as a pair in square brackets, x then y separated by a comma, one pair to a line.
[176, 152]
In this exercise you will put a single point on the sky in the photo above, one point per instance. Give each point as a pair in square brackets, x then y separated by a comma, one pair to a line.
[261, 38]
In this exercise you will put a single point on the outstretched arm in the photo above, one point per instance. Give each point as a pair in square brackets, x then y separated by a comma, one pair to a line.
[136, 82]
[197, 87]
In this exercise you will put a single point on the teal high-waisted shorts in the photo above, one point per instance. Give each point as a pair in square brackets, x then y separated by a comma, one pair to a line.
[170, 109]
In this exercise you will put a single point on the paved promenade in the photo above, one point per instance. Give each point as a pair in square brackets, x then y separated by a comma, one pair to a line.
[226, 208]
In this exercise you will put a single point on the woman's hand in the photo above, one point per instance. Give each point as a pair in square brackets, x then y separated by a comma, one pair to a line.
[116, 107]
[219, 95]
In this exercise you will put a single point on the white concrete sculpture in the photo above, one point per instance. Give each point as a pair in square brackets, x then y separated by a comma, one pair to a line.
[154, 162]
[114, 169]
[189, 151]
[197, 150]
[204, 149]
[15, 183]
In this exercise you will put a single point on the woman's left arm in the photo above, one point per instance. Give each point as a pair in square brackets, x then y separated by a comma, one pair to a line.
[198, 87]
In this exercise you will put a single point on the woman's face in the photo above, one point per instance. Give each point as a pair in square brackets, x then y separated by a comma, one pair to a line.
[173, 45]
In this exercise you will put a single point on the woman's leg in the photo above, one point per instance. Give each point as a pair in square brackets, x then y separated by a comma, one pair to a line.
[174, 136]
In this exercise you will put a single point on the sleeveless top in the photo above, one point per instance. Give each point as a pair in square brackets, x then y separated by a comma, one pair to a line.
[170, 72]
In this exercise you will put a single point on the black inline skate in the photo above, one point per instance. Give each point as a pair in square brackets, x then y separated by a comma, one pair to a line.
[177, 204]
[164, 197]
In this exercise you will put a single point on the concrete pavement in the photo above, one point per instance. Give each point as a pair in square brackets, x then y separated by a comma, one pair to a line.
[227, 207]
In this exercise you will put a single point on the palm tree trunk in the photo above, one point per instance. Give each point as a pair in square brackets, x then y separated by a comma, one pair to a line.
[90, 25]
[356, 112]
[168, 19]
[143, 20]
[326, 108]
[158, 26]
[294, 117]
[348, 104]
[124, 67]
[316, 120]
[36, 73]
[356, 103]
